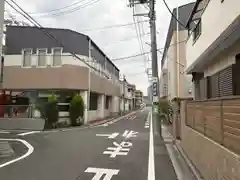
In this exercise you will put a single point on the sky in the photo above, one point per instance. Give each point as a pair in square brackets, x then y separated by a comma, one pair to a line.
[90, 16]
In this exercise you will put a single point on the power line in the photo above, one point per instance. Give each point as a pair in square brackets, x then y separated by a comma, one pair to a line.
[173, 15]
[77, 8]
[111, 26]
[65, 7]
[125, 39]
[132, 56]
[36, 24]
[141, 54]
[136, 28]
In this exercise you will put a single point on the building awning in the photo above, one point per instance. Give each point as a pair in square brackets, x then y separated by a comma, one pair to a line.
[230, 36]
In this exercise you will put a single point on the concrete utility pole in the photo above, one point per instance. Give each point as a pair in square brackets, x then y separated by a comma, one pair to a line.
[1, 37]
[155, 80]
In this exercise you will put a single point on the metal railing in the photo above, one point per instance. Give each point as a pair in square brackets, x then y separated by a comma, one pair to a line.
[16, 111]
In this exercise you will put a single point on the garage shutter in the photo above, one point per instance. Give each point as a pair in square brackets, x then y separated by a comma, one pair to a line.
[225, 82]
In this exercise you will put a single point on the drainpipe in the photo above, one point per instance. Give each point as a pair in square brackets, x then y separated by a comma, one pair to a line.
[1, 38]
[89, 75]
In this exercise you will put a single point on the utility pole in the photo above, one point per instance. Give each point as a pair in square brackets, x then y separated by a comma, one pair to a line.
[155, 80]
[2, 2]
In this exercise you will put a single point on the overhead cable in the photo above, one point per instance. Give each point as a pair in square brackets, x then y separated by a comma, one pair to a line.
[173, 15]
[111, 26]
[57, 9]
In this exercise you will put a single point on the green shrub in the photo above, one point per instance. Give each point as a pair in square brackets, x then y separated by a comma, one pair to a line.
[76, 110]
[49, 111]
[165, 110]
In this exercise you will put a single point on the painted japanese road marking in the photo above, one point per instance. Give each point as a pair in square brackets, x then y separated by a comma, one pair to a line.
[151, 163]
[128, 134]
[110, 136]
[28, 153]
[100, 172]
[27, 133]
[120, 149]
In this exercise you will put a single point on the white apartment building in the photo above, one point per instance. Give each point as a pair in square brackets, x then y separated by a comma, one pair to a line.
[213, 48]
[175, 82]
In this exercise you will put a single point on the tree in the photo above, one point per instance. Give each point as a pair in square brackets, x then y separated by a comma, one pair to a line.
[49, 111]
[76, 110]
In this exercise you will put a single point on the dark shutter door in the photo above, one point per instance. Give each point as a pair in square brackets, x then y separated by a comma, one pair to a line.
[214, 86]
[225, 82]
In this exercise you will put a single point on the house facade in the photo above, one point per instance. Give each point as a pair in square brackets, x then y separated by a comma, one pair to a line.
[39, 64]
[139, 97]
[213, 48]
[127, 101]
[175, 82]
[164, 83]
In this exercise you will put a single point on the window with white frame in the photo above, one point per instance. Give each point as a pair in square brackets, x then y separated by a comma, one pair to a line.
[57, 53]
[42, 57]
[197, 30]
[27, 53]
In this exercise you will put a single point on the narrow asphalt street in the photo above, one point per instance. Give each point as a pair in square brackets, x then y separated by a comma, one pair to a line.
[115, 151]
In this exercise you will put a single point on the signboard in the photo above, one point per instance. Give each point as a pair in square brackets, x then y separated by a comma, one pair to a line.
[155, 89]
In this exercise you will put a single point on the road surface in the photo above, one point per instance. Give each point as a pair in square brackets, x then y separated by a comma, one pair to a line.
[118, 151]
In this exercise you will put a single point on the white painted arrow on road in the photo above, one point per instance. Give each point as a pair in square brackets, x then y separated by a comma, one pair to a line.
[110, 136]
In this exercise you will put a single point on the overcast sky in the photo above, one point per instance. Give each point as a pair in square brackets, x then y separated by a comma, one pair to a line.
[115, 42]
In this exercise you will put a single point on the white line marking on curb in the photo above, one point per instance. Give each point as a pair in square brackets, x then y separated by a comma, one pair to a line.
[28, 153]
[27, 133]
[151, 164]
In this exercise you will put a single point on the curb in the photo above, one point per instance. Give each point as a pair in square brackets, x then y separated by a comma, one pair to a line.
[5, 149]
[188, 161]
[86, 126]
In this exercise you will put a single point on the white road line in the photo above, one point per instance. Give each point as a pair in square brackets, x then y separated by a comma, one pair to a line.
[151, 164]
[28, 153]
[27, 133]
[4, 132]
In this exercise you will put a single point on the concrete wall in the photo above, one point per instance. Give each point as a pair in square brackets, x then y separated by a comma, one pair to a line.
[22, 124]
[211, 159]
[215, 19]
[93, 115]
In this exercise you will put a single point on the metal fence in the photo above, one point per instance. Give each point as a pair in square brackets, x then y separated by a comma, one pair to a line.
[217, 119]
[15, 111]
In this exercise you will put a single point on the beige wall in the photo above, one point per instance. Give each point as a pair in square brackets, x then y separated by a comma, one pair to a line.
[223, 60]
[213, 161]
[72, 74]
[101, 85]
[172, 68]
[178, 80]
[215, 19]
[65, 77]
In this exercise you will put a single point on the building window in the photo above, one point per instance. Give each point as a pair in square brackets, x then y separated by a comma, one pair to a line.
[197, 31]
[27, 57]
[42, 59]
[57, 53]
[107, 101]
[93, 101]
